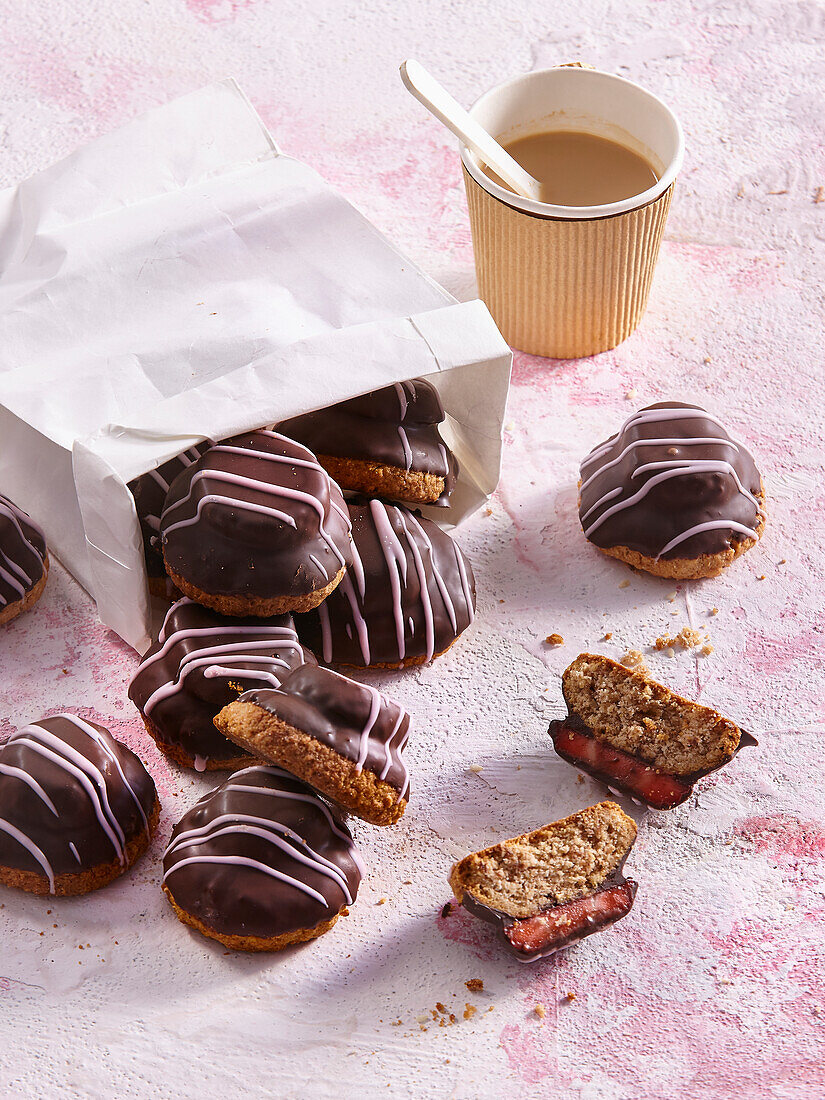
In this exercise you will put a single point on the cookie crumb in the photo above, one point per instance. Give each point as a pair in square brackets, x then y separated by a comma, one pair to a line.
[762, 578]
[632, 393]
[540, 1011]
[670, 652]
[819, 195]
[469, 1011]
[625, 583]
[381, 901]
[607, 636]
[554, 639]
[570, 997]
[714, 611]
[476, 768]
[446, 909]
[707, 359]
[634, 659]
[475, 985]
[706, 649]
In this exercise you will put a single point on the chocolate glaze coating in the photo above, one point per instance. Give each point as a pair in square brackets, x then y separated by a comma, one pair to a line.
[272, 857]
[71, 797]
[256, 516]
[577, 930]
[409, 594]
[627, 772]
[394, 426]
[670, 484]
[353, 719]
[200, 663]
[22, 553]
[149, 491]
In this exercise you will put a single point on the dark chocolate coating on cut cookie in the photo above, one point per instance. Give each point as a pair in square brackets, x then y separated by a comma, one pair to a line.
[201, 662]
[395, 426]
[355, 720]
[22, 553]
[409, 593]
[267, 857]
[256, 516]
[670, 484]
[71, 798]
[149, 491]
[610, 902]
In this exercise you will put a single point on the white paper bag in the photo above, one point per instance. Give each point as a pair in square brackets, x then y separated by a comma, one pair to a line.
[181, 279]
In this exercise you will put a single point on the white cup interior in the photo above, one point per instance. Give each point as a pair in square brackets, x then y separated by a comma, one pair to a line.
[580, 99]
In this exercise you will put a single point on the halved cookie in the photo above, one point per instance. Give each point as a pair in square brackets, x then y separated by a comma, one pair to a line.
[638, 736]
[549, 888]
[344, 738]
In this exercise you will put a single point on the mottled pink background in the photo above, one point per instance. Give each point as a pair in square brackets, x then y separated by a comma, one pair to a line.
[713, 987]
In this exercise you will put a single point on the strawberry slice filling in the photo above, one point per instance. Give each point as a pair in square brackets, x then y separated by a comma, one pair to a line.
[620, 769]
[563, 924]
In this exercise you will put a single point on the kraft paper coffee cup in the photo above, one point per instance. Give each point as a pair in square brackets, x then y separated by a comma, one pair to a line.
[569, 281]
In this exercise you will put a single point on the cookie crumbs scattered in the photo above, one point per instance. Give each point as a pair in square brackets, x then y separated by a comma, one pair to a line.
[476, 768]
[469, 1011]
[446, 909]
[440, 1007]
[762, 578]
[608, 636]
[488, 511]
[782, 561]
[740, 194]
[714, 611]
[570, 997]
[381, 901]
[540, 1011]
[706, 649]
[625, 583]
[475, 985]
[580, 778]
[632, 393]
[395, 1023]
[554, 639]
[670, 652]
[687, 638]
[819, 195]
[707, 359]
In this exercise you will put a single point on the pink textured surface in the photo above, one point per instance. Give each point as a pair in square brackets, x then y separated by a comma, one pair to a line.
[713, 987]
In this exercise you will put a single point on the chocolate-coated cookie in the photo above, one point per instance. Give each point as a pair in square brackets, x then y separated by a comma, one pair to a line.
[24, 561]
[672, 493]
[256, 526]
[407, 597]
[342, 737]
[637, 736]
[550, 888]
[77, 808]
[200, 662]
[261, 862]
[149, 491]
[385, 443]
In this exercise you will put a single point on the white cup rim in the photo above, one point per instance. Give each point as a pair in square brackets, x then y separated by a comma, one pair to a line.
[576, 213]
